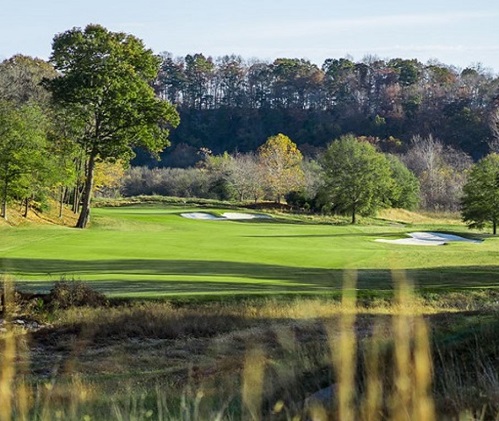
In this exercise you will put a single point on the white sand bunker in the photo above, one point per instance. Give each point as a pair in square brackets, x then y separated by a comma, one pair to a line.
[237, 215]
[428, 239]
[203, 216]
[233, 216]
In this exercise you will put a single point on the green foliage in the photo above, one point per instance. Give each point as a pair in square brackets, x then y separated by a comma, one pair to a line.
[105, 81]
[20, 80]
[106, 84]
[227, 104]
[357, 177]
[405, 188]
[24, 160]
[480, 203]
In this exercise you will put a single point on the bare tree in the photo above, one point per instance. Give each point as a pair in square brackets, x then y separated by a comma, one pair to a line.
[246, 175]
[441, 171]
[494, 128]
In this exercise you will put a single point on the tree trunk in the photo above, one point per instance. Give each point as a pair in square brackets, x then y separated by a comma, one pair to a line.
[61, 201]
[494, 227]
[26, 207]
[4, 199]
[76, 198]
[354, 219]
[84, 217]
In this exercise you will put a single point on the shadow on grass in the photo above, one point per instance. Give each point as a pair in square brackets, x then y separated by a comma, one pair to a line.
[124, 276]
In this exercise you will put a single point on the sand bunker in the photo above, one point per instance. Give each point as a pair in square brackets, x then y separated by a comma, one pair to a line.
[236, 215]
[428, 239]
[227, 216]
[203, 216]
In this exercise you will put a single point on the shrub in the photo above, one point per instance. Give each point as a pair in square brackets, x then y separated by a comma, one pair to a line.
[66, 294]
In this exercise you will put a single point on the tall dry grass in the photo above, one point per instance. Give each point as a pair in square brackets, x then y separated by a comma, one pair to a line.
[270, 361]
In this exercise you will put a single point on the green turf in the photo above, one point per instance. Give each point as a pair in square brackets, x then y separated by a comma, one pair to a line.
[147, 251]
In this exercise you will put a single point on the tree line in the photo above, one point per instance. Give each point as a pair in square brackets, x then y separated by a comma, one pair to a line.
[229, 104]
[428, 176]
[351, 177]
[90, 106]
[69, 126]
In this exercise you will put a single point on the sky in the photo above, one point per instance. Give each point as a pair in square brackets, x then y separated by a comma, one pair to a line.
[460, 33]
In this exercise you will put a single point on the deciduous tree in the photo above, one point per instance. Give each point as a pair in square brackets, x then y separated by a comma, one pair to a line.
[246, 175]
[23, 155]
[480, 203]
[281, 160]
[106, 82]
[441, 172]
[357, 177]
[405, 189]
[20, 80]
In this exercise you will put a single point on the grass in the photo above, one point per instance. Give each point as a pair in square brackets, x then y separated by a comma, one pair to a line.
[296, 318]
[150, 251]
[410, 357]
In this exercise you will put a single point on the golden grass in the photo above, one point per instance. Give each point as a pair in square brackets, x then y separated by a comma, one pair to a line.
[48, 217]
[245, 360]
[408, 217]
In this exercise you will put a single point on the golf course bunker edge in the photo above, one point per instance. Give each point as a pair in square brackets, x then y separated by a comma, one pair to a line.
[227, 216]
[428, 239]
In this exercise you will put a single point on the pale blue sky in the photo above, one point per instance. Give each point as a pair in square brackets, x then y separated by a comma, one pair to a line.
[455, 32]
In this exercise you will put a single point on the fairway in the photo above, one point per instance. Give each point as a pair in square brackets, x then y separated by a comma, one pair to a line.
[149, 251]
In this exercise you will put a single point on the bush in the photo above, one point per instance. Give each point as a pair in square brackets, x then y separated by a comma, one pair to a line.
[299, 200]
[66, 294]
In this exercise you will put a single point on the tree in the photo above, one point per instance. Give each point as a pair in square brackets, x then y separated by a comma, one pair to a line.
[217, 169]
[493, 143]
[480, 203]
[281, 160]
[405, 189]
[108, 177]
[106, 83]
[357, 178]
[199, 72]
[20, 80]
[246, 175]
[22, 151]
[441, 171]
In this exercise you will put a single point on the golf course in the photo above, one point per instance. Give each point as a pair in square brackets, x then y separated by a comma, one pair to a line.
[150, 250]
[197, 310]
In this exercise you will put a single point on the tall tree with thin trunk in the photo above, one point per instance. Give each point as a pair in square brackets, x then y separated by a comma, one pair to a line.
[105, 80]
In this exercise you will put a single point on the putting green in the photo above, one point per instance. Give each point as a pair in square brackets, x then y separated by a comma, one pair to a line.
[152, 251]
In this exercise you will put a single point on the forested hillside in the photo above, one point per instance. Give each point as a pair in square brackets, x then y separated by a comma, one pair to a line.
[70, 126]
[228, 104]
